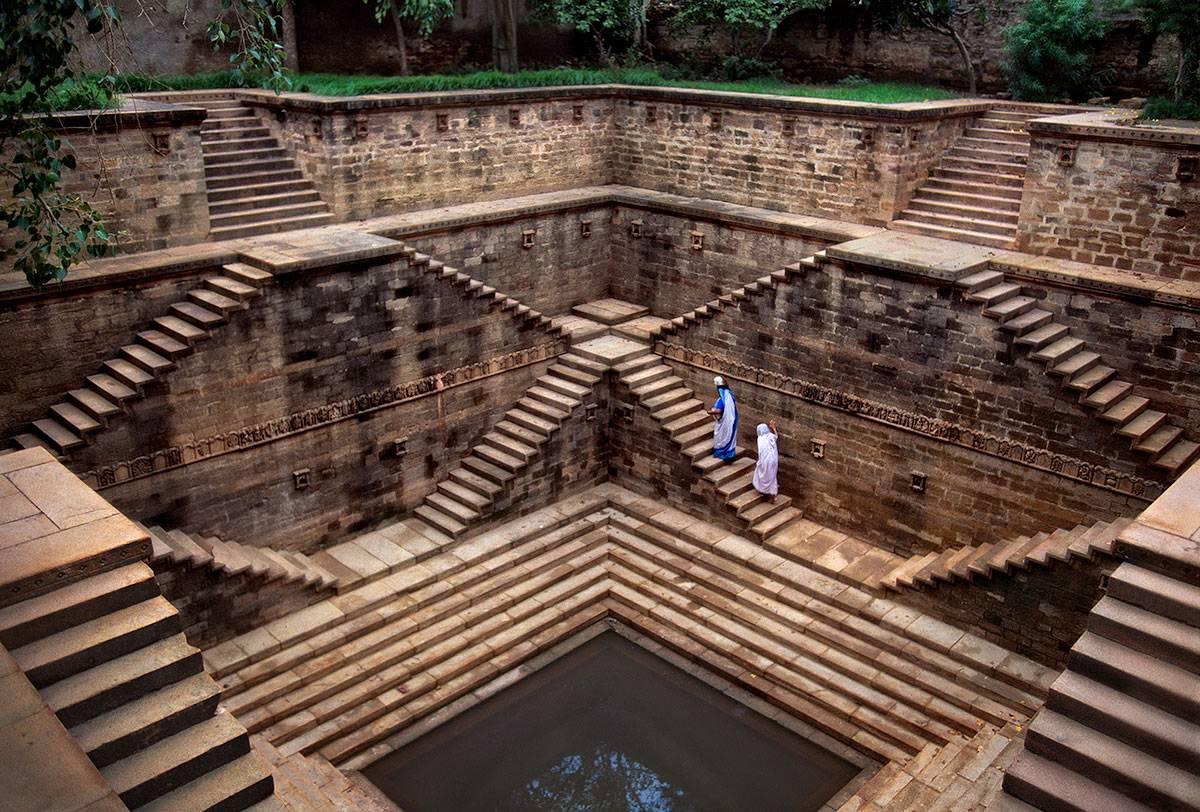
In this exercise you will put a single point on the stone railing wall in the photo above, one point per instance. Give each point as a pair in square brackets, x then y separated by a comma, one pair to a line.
[1101, 191]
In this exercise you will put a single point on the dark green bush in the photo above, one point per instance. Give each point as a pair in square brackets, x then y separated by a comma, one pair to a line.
[1160, 108]
[1050, 51]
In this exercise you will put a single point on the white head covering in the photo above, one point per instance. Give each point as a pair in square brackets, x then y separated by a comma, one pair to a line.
[766, 471]
[719, 381]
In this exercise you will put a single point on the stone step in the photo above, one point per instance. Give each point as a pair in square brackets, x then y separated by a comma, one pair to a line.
[1154, 635]
[460, 511]
[465, 496]
[123, 731]
[198, 315]
[116, 682]
[260, 193]
[971, 200]
[229, 110]
[531, 422]
[658, 386]
[238, 172]
[177, 760]
[564, 403]
[231, 288]
[190, 552]
[227, 156]
[766, 528]
[646, 375]
[486, 470]
[1010, 308]
[1113, 713]
[680, 413]
[510, 445]
[229, 142]
[443, 522]
[812, 592]
[271, 226]
[1092, 379]
[1112, 763]
[978, 163]
[565, 387]
[720, 471]
[995, 294]
[661, 401]
[1159, 440]
[46, 615]
[1142, 677]
[544, 411]
[588, 365]
[1052, 787]
[211, 126]
[59, 437]
[243, 783]
[285, 209]
[528, 438]
[180, 329]
[1044, 336]
[1125, 409]
[994, 140]
[236, 130]
[147, 359]
[1147, 421]
[78, 648]
[1178, 457]
[998, 134]
[576, 376]
[163, 344]
[1077, 364]
[979, 177]
[78, 421]
[764, 509]
[485, 489]
[93, 403]
[1106, 395]
[247, 274]
[128, 373]
[987, 152]
[1028, 321]
[499, 458]
[1153, 592]
[972, 187]
[110, 388]
[960, 222]
[979, 281]
[249, 182]
[961, 210]
[951, 233]
[1058, 351]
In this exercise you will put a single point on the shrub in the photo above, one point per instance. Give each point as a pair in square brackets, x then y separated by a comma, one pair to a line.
[1050, 51]
[1160, 108]
[736, 68]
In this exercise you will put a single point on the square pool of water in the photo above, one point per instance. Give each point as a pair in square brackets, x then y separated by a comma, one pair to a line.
[610, 727]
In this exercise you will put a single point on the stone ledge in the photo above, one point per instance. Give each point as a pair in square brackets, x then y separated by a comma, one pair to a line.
[1128, 284]
[313, 103]
[1114, 125]
[135, 113]
[944, 260]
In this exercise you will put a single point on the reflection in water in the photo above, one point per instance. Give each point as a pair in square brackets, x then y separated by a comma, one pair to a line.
[605, 779]
[610, 727]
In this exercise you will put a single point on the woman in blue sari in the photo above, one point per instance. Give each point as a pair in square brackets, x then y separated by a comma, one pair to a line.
[724, 411]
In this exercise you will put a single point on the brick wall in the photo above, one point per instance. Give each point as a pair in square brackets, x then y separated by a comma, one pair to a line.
[1119, 204]
[143, 172]
[369, 161]
[662, 270]
[834, 163]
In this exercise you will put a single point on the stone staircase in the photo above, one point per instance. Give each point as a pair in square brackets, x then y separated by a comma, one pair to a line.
[312, 784]
[231, 558]
[469, 492]
[107, 656]
[685, 418]
[1082, 371]
[980, 562]
[1121, 729]
[152, 354]
[404, 648]
[254, 185]
[974, 193]
[736, 298]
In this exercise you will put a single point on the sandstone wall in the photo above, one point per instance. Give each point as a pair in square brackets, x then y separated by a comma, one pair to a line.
[1115, 198]
[368, 160]
[143, 171]
[822, 160]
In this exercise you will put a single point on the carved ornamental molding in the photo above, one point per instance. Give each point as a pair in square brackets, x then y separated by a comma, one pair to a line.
[106, 476]
[916, 423]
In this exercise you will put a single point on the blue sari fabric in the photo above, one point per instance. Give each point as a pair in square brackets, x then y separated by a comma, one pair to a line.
[725, 432]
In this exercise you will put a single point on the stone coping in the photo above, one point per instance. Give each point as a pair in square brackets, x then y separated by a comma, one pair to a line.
[313, 103]
[327, 246]
[134, 113]
[1115, 125]
[41, 764]
[948, 261]
[54, 529]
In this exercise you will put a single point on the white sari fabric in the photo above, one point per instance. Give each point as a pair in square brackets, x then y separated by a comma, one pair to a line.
[766, 472]
[725, 431]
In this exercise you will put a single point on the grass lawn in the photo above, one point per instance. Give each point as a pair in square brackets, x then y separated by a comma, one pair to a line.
[328, 84]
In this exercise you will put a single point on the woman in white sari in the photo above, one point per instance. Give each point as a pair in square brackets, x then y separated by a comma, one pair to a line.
[766, 472]
[724, 411]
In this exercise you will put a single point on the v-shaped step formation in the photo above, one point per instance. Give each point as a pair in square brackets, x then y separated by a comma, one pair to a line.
[469, 492]
[105, 396]
[685, 418]
[1082, 371]
[980, 562]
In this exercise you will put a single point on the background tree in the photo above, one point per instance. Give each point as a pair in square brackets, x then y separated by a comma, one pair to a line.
[1050, 51]
[616, 26]
[945, 17]
[421, 16]
[751, 23]
[1182, 19]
